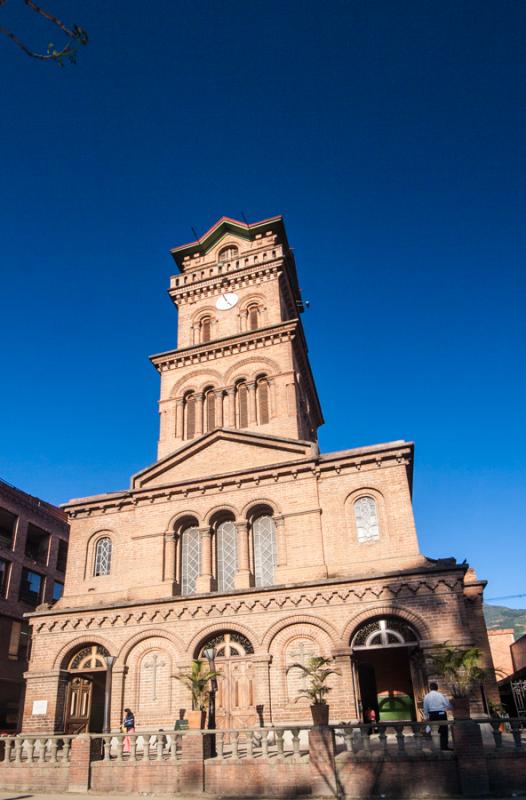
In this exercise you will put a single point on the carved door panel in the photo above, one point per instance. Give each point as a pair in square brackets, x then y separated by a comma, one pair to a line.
[235, 704]
[78, 705]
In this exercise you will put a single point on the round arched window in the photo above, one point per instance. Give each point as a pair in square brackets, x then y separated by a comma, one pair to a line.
[228, 253]
[384, 633]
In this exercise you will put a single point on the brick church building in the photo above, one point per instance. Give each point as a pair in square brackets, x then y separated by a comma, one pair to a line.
[242, 534]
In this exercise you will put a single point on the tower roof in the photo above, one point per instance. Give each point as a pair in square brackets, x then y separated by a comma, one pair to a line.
[228, 225]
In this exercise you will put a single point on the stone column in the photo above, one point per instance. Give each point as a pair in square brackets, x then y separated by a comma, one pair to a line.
[198, 414]
[262, 687]
[220, 410]
[342, 700]
[170, 554]
[242, 578]
[204, 581]
[178, 427]
[281, 545]
[252, 411]
[231, 407]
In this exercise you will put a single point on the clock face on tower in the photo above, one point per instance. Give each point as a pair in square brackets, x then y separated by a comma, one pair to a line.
[226, 301]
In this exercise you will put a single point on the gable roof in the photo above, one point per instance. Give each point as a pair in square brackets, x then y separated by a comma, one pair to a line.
[225, 447]
[228, 225]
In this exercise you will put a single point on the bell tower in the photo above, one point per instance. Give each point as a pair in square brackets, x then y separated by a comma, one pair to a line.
[241, 361]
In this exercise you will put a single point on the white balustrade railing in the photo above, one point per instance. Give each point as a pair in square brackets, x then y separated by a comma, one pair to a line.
[35, 749]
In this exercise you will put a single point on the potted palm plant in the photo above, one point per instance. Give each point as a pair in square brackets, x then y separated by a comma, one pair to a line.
[197, 679]
[460, 668]
[317, 671]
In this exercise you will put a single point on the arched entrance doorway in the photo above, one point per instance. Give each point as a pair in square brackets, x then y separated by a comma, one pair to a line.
[387, 668]
[235, 703]
[84, 708]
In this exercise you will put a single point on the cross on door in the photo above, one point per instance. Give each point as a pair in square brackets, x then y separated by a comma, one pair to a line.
[154, 665]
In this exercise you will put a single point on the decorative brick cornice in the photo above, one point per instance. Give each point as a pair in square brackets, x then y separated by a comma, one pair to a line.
[228, 345]
[251, 275]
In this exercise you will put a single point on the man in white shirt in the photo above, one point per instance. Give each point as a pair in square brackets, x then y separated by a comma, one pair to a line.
[435, 707]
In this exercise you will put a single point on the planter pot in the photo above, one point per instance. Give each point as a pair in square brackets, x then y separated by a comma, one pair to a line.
[461, 708]
[320, 713]
[196, 719]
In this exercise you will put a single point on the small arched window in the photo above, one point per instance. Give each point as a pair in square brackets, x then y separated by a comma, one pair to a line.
[210, 409]
[366, 517]
[263, 405]
[103, 556]
[228, 253]
[190, 559]
[189, 416]
[206, 329]
[264, 543]
[253, 317]
[226, 555]
[242, 405]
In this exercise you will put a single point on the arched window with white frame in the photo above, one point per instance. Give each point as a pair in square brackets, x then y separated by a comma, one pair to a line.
[264, 548]
[190, 548]
[366, 518]
[103, 549]
[226, 555]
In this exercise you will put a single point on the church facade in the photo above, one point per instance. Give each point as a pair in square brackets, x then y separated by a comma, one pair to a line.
[243, 535]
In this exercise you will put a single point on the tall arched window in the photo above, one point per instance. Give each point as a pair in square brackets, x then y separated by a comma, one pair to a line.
[264, 543]
[228, 253]
[210, 409]
[206, 329]
[366, 516]
[242, 405]
[253, 317]
[263, 405]
[190, 559]
[189, 416]
[103, 556]
[226, 555]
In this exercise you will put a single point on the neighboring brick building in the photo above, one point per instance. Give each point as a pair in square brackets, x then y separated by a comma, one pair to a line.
[33, 552]
[500, 642]
[243, 535]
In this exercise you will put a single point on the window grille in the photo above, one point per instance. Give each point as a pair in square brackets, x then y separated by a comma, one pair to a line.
[89, 658]
[190, 560]
[263, 402]
[253, 318]
[366, 516]
[226, 556]
[103, 556]
[189, 409]
[384, 632]
[210, 410]
[264, 535]
[227, 644]
[206, 329]
[242, 403]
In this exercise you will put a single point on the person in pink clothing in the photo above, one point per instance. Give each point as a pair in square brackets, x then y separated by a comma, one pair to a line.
[128, 723]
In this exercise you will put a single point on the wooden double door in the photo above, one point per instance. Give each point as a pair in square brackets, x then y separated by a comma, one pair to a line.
[84, 710]
[235, 700]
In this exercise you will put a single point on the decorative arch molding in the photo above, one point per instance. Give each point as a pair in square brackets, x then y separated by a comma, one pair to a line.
[255, 297]
[386, 610]
[222, 507]
[191, 382]
[262, 501]
[142, 637]
[175, 519]
[383, 522]
[240, 369]
[299, 619]
[204, 311]
[68, 650]
[226, 626]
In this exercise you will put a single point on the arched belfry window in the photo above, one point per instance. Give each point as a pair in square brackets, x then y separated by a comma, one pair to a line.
[210, 409]
[264, 545]
[226, 555]
[189, 409]
[190, 558]
[228, 253]
[263, 401]
[242, 405]
[103, 556]
[253, 317]
[366, 518]
[205, 327]
[387, 632]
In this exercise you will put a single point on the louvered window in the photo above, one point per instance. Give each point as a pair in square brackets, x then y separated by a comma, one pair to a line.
[190, 560]
[263, 402]
[103, 557]
[366, 516]
[226, 556]
[253, 318]
[242, 405]
[206, 329]
[189, 411]
[210, 410]
[264, 537]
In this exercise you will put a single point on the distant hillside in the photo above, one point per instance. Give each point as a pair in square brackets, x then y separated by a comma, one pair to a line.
[502, 617]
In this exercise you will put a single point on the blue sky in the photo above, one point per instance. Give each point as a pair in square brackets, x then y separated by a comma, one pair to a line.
[390, 135]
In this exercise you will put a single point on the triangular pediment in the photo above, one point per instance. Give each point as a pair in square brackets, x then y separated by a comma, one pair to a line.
[220, 452]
